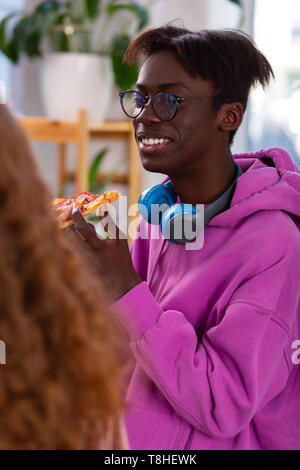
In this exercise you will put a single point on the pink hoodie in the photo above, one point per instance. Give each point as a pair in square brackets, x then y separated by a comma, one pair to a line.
[216, 332]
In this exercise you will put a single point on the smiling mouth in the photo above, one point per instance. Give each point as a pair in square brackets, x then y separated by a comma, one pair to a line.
[152, 144]
[151, 141]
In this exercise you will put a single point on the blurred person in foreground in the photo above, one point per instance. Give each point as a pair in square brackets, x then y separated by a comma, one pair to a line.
[61, 386]
[213, 328]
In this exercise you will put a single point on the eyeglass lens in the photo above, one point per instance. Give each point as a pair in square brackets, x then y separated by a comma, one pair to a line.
[132, 103]
[165, 105]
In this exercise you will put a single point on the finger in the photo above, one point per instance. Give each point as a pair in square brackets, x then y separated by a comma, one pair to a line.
[101, 232]
[108, 224]
[69, 229]
[111, 227]
[91, 226]
[103, 217]
[83, 228]
[102, 209]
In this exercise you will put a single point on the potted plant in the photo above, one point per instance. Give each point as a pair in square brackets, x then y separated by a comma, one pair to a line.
[80, 49]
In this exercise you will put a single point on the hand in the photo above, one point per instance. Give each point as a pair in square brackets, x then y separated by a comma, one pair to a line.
[110, 258]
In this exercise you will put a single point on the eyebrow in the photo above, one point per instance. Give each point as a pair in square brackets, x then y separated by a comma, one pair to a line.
[163, 86]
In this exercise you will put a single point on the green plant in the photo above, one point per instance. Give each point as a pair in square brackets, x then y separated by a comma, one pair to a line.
[93, 182]
[69, 26]
[93, 175]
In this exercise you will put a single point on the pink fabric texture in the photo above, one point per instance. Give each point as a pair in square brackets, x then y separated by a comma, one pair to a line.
[213, 330]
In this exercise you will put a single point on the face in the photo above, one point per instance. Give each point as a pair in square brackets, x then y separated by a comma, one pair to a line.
[191, 134]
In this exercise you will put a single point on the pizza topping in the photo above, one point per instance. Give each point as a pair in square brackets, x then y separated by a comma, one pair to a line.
[83, 198]
[93, 205]
[86, 201]
[110, 196]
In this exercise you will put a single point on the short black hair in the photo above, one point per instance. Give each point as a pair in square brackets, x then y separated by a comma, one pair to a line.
[229, 59]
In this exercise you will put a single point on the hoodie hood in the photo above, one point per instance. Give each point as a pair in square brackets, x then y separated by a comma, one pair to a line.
[270, 181]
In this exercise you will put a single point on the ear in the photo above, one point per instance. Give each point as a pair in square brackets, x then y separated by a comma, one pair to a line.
[230, 116]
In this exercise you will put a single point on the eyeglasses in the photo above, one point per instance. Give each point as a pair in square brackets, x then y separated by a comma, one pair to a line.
[165, 105]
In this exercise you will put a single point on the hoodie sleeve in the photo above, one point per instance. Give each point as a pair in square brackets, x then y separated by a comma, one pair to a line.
[219, 382]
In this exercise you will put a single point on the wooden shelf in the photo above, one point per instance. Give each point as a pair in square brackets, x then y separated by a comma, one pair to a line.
[121, 127]
[80, 132]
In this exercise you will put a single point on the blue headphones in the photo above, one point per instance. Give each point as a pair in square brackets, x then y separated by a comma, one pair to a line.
[157, 206]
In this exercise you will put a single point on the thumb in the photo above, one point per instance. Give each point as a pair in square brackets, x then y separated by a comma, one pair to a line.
[83, 228]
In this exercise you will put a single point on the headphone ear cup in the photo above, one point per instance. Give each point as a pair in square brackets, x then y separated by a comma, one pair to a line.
[159, 195]
[176, 223]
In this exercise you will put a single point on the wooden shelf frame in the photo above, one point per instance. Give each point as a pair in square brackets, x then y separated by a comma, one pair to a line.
[80, 132]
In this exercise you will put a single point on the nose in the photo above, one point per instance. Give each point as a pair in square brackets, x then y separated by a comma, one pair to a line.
[148, 115]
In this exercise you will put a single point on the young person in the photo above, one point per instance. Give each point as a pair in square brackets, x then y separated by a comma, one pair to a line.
[60, 385]
[213, 330]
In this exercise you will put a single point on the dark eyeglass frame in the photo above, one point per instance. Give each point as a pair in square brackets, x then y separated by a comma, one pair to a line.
[146, 99]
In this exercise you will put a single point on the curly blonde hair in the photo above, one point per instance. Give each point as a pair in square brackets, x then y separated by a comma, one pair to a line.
[61, 385]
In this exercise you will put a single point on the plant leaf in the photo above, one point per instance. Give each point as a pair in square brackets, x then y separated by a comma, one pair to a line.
[56, 12]
[30, 30]
[98, 188]
[237, 2]
[94, 167]
[112, 174]
[92, 8]
[3, 36]
[125, 75]
[45, 15]
[140, 12]
[26, 37]
[12, 51]
[50, 5]
[59, 40]
[15, 45]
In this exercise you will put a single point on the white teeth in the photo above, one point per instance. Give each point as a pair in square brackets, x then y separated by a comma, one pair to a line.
[153, 141]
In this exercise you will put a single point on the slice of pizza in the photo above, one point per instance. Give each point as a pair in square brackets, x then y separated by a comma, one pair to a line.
[86, 201]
